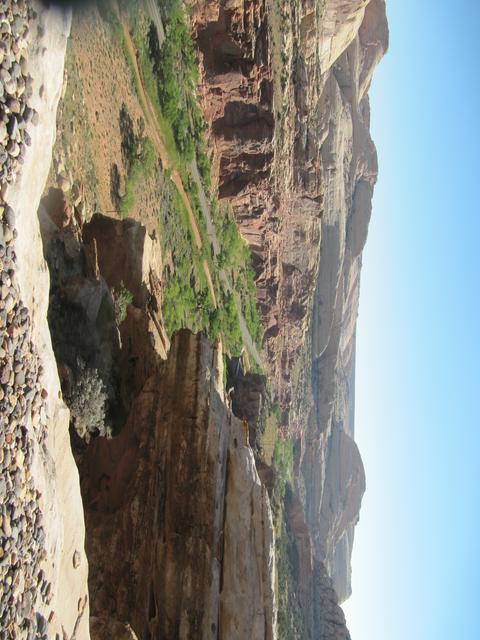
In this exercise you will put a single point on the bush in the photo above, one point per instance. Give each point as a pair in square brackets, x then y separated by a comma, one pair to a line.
[122, 297]
[87, 403]
[230, 326]
[142, 168]
[283, 464]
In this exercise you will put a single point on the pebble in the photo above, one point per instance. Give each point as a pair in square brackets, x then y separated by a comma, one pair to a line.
[23, 586]
[15, 90]
[9, 217]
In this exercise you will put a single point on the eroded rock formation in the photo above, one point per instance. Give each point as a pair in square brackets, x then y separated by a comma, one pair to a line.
[187, 520]
[286, 95]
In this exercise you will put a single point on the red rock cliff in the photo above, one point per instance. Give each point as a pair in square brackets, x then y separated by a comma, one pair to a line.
[285, 89]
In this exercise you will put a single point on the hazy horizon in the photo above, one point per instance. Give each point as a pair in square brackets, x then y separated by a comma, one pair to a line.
[415, 557]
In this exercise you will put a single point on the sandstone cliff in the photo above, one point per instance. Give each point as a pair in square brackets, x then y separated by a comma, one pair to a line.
[179, 528]
[286, 95]
[175, 510]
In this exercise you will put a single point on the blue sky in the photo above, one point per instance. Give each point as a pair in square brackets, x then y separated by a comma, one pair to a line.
[416, 560]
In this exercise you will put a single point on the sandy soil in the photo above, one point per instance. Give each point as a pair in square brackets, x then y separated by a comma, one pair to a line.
[99, 83]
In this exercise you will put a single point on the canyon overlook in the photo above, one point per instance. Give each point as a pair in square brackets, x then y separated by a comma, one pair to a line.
[175, 464]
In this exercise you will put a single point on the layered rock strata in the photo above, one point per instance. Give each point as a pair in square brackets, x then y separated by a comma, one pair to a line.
[180, 535]
[286, 96]
[175, 510]
[323, 618]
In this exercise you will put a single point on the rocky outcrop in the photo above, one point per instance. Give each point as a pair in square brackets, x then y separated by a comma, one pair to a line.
[234, 41]
[137, 256]
[349, 188]
[180, 535]
[338, 24]
[329, 618]
[286, 97]
[322, 617]
[250, 402]
[341, 500]
[175, 509]
[247, 599]
[47, 586]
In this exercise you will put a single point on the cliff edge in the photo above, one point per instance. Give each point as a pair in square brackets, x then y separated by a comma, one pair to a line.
[43, 563]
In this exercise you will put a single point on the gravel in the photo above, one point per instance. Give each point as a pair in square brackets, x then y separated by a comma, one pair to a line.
[24, 589]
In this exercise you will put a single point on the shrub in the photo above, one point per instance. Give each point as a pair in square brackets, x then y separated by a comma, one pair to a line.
[87, 403]
[122, 297]
[142, 167]
[283, 463]
[231, 326]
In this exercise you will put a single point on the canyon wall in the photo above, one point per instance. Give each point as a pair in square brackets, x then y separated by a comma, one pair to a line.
[180, 535]
[286, 97]
[179, 527]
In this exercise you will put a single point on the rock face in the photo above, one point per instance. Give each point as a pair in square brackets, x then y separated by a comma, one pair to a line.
[180, 535]
[342, 495]
[247, 601]
[349, 189]
[329, 617]
[57, 601]
[323, 618]
[175, 510]
[285, 94]
[338, 24]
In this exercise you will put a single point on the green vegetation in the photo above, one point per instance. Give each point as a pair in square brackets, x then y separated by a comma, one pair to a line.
[187, 301]
[142, 167]
[224, 321]
[176, 70]
[183, 306]
[283, 463]
[122, 297]
[169, 77]
[290, 617]
[235, 259]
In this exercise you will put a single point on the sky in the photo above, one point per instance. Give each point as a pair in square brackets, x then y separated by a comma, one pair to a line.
[416, 557]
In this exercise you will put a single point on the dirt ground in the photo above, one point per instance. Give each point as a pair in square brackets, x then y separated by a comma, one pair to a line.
[98, 84]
